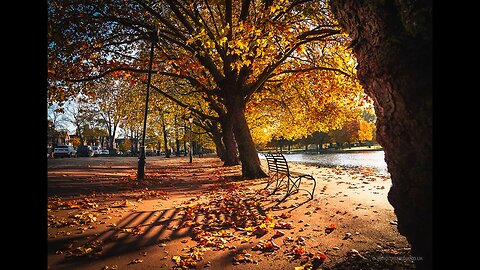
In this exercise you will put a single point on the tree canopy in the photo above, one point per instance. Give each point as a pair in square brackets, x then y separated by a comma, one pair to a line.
[229, 63]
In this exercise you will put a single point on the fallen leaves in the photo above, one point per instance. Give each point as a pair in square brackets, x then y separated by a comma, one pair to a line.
[297, 251]
[330, 228]
[308, 260]
[243, 257]
[318, 259]
[278, 233]
[259, 231]
[225, 217]
[113, 267]
[92, 248]
[284, 225]
[55, 203]
[85, 218]
[135, 261]
[189, 260]
[267, 246]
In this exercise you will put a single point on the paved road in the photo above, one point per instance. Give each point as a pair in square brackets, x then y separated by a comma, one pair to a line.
[68, 176]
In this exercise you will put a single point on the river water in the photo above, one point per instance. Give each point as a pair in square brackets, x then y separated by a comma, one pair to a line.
[373, 159]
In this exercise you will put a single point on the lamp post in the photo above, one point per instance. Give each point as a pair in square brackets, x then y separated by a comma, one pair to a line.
[141, 158]
[190, 119]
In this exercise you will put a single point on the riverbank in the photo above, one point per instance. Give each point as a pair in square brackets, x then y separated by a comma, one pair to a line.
[352, 149]
[202, 214]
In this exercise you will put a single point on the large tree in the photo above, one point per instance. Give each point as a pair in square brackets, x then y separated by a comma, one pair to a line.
[392, 41]
[226, 51]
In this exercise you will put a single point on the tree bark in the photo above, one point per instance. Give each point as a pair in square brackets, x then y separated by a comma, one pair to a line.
[177, 145]
[231, 154]
[392, 41]
[217, 140]
[251, 168]
[165, 143]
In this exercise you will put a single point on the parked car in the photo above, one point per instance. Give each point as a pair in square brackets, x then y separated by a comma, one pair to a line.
[64, 151]
[84, 151]
[96, 150]
[104, 152]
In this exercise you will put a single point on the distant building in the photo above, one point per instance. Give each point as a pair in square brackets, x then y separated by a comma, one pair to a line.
[55, 137]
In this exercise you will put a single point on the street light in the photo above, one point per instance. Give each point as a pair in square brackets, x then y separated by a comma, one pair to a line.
[141, 158]
[190, 119]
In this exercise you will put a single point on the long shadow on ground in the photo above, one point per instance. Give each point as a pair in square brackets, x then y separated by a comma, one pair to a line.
[142, 229]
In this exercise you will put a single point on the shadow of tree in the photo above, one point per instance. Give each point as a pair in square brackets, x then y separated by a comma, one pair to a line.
[79, 180]
[142, 229]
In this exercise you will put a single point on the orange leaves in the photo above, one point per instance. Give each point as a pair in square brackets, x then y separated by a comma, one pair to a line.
[92, 248]
[330, 228]
[260, 230]
[85, 203]
[189, 260]
[85, 218]
[242, 257]
[297, 251]
[270, 246]
[72, 204]
[286, 215]
[284, 225]
[135, 261]
[267, 246]
[278, 233]
[269, 217]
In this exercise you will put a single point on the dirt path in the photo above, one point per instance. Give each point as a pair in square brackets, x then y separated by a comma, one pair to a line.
[204, 215]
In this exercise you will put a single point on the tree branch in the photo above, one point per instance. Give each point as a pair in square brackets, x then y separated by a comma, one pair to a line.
[105, 73]
[179, 15]
[181, 104]
[308, 69]
[211, 16]
[244, 12]
[281, 58]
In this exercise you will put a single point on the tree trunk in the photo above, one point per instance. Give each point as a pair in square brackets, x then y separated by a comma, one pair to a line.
[185, 140]
[231, 156]
[217, 140]
[177, 145]
[184, 148]
[79, 132]
[165, 143]
[248, 155]
[111, 140]
[392, 41]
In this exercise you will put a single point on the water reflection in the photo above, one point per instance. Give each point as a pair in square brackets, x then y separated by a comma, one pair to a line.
[373, 159]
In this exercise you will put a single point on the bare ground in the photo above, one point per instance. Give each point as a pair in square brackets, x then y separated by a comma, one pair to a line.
[203, 215]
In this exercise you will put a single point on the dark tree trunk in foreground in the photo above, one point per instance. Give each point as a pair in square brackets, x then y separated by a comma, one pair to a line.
[392, 41]
[251, 168]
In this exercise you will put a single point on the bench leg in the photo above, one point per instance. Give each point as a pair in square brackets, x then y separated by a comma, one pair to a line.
[278, 183]
[309, 177]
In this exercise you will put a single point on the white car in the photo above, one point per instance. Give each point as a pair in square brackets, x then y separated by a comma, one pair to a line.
[96, 150]
[64, 151]
[104, 152]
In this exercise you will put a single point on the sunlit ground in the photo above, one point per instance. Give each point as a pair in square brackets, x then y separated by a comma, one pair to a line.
[202, 215]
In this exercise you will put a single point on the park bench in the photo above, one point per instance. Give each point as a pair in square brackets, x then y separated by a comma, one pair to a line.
[279, 175]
